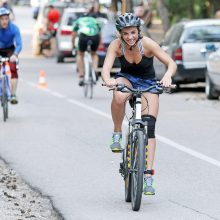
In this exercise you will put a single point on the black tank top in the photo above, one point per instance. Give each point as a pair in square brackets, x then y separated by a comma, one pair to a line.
[144, 69]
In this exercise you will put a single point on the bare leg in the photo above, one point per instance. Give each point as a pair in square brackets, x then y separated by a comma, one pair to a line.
[95, 60]
[118, 105]
[80, 63]
[153, 108]
[14, 83]
[52, 46]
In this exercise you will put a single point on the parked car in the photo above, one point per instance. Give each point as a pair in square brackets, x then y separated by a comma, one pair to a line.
[183, 43]
[212, 76]
[64, 32]
[40, 25]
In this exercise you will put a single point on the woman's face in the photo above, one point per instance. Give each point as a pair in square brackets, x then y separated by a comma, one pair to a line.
[130, 35]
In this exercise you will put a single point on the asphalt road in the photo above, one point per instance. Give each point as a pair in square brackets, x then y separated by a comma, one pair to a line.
[58, 141]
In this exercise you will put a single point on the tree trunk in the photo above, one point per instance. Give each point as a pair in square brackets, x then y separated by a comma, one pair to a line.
[163, 12]
[123, 7]
[114, 6]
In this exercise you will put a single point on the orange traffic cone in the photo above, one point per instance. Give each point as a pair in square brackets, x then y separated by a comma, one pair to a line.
[42, 80]
[7, 69]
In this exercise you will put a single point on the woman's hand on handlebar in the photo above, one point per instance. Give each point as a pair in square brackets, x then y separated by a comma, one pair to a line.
[166, 81]
[111, 83]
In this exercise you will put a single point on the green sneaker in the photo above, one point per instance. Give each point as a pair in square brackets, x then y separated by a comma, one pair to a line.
[14, 100]
[116, 142]
[149, 188]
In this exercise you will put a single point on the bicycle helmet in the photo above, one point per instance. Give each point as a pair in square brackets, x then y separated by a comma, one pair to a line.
[4, 11]
[127, 20]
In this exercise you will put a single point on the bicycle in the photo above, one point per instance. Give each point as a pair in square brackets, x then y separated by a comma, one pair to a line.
[90, 75]
[133, 166]
[5, 90]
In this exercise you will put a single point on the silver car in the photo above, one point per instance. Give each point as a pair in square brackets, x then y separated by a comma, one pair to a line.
[184, 41]
[212, 82]
[64, 32]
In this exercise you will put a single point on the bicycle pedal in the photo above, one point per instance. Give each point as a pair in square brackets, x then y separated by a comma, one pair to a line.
[118, 150]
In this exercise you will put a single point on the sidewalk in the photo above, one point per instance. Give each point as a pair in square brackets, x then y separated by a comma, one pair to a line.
[18, 201]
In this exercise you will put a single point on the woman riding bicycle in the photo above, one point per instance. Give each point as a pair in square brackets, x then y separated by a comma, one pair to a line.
[136, 54]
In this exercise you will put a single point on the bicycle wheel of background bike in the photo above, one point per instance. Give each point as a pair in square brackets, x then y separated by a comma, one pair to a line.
[138, 158]
[86, 89]
[4, 100]
[88, 86]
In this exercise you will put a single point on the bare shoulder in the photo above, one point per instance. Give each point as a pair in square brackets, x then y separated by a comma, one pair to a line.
[150, 46]
[116, 46]
[149, 43]
[115, 43]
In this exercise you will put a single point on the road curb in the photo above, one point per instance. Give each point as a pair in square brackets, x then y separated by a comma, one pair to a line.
[19, 201]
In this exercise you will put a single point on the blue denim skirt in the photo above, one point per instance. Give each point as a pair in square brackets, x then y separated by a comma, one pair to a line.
[139, 83]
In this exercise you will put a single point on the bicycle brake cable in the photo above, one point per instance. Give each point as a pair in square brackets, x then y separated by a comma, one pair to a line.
[147, 107]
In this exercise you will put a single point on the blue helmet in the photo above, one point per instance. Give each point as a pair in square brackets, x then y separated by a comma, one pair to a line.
[4, 11]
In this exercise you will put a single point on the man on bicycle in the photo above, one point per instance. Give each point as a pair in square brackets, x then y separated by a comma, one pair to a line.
[10, 46]
[87, 28]
[136, 54]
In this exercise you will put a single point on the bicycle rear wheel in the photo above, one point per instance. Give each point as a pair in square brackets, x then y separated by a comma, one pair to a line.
[4, 100]
[88, 86]
[138, 164]
[88, 79]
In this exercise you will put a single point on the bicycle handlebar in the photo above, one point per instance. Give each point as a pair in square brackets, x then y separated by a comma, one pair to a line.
[126, 89]
[3, 59]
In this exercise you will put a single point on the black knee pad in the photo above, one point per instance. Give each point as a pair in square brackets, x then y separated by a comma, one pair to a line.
[151, 121]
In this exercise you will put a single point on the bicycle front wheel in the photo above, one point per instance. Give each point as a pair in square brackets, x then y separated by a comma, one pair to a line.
[4, 100]
[138, 164]
[127, 165]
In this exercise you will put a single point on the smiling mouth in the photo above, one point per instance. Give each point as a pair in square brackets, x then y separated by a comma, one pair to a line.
[131, 42]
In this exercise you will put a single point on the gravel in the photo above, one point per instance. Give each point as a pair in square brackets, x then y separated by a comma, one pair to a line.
[18, 201]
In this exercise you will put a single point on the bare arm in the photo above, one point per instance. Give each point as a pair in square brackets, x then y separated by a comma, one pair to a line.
[158, 52]
[108, 63]
[74, 34]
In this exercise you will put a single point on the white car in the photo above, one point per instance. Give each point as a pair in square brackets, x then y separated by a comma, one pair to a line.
[183, 43]
[212, 82]
[64, 32]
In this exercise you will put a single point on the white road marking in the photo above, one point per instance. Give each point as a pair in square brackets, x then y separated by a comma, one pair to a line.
[188, 151]
[162, 139]
[57, 94]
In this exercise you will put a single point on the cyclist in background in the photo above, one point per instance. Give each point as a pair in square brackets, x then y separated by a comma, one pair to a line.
[10, 46]
[136, 54]
[87, 28]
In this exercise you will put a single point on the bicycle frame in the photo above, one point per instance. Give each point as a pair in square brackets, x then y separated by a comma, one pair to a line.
[136, 123]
